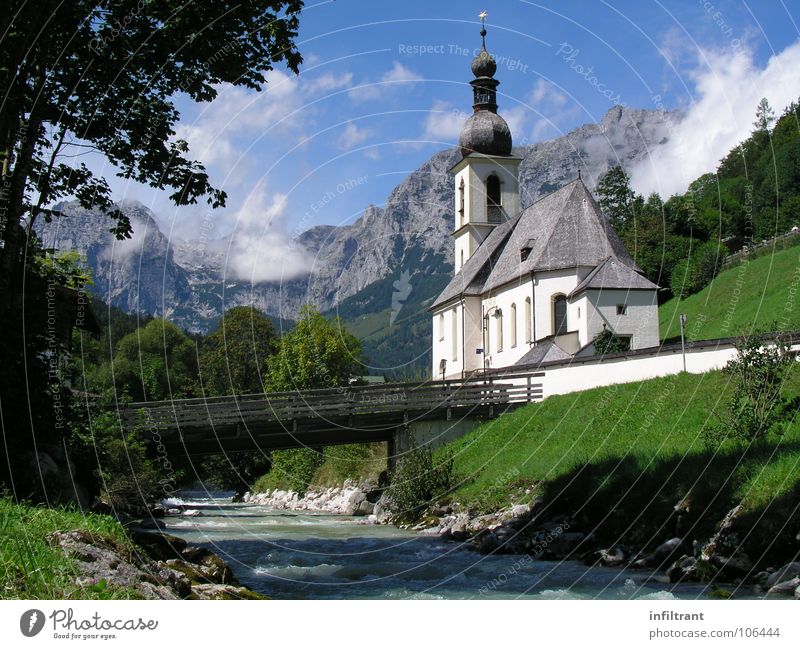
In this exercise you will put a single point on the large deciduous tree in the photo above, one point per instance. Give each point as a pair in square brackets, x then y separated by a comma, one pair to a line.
[235, 354]
[317, 353]
[102, 77]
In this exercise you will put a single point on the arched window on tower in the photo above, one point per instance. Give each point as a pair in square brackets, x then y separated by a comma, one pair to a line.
[528, 320]
[493, 199]
[513, 324]
[462, 260]
[441, 326]
[461, 203]
[559, 315]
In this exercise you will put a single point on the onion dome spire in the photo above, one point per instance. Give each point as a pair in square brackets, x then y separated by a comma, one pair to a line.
[485, 131]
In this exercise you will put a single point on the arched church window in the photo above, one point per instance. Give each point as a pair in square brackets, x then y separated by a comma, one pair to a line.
[499, 325]
[493, 198]
[513, 325]
[528, 320]
[560, 315]
[441, 326]
[454, 333]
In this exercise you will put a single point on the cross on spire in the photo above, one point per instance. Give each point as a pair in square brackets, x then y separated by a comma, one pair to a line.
[483, 16]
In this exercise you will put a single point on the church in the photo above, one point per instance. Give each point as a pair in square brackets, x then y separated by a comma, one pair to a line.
[530, 285]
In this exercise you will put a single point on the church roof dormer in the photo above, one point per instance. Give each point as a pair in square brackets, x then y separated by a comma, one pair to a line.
[485, 131]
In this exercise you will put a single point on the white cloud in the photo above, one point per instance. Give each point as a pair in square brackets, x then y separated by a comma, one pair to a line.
[728, 87]
[398, 78]
[545, 93]
[224, 129]
[261, 250]
[227, 126]
[352, 136]
[327, 83]
[443, 123]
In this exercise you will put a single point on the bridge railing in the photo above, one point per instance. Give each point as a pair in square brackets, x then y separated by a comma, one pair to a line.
[365, 403]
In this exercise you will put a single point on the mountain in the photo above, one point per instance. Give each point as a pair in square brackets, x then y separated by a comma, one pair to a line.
[379, 273]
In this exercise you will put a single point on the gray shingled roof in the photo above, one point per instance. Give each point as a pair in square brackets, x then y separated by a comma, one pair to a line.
[612, 273]
[471, 278]
[545, 350]
[564, 229]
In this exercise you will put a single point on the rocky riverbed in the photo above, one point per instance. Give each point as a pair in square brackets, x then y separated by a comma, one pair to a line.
[161, 566]
[535, 530]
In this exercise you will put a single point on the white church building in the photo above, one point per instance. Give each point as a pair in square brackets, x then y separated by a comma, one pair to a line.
[535, 284]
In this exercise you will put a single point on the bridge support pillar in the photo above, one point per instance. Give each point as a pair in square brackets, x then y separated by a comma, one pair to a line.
[428, 433]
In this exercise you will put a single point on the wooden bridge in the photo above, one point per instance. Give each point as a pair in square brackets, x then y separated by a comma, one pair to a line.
[280, 420]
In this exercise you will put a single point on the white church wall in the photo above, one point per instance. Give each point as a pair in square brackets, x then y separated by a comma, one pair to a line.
[512, 294]
[456, 334]
[639, 320]
[473, 335]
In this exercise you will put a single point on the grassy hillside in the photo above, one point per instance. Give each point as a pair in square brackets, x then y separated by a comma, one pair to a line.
[751, 295]
[623, 456]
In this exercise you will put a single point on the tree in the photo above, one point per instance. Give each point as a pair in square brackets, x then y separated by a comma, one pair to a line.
[102, 76]
[157, 361]
[418, 481]
[615, 197]
[765, 117]
[235, 354]
[317, 353]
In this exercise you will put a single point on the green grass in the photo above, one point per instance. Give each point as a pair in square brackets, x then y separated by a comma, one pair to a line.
[754, 294]
[621, 458]
[32, 568]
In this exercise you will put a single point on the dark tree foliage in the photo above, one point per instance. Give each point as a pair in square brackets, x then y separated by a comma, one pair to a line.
[615, 197]
[754, 195]
[235, 355]
[102, 77]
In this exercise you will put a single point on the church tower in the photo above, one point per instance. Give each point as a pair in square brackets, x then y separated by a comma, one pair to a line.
[486, 178]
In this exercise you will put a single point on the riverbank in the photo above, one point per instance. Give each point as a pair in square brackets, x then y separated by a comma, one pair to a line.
[617, 477]
[62, 553]
[622, 476]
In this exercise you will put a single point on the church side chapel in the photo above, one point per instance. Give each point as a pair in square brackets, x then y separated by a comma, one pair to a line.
[530, 285]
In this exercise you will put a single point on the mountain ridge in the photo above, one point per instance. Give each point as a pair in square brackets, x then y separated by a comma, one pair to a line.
[185, 280]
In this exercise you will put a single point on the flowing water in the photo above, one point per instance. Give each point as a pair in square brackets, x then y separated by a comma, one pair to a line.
[294, 555]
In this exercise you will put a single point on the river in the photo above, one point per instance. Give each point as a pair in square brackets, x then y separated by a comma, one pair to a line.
[292, 555]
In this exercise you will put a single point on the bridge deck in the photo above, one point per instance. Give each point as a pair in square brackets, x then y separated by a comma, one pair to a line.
[318, 417]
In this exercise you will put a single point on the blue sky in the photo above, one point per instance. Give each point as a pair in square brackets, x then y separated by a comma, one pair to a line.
[384, 86]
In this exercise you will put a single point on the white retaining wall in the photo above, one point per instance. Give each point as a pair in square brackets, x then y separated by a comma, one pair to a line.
[578, 374]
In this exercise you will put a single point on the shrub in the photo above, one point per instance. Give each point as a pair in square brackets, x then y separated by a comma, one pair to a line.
[607, 342]
[756, 407]
[417, 481]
